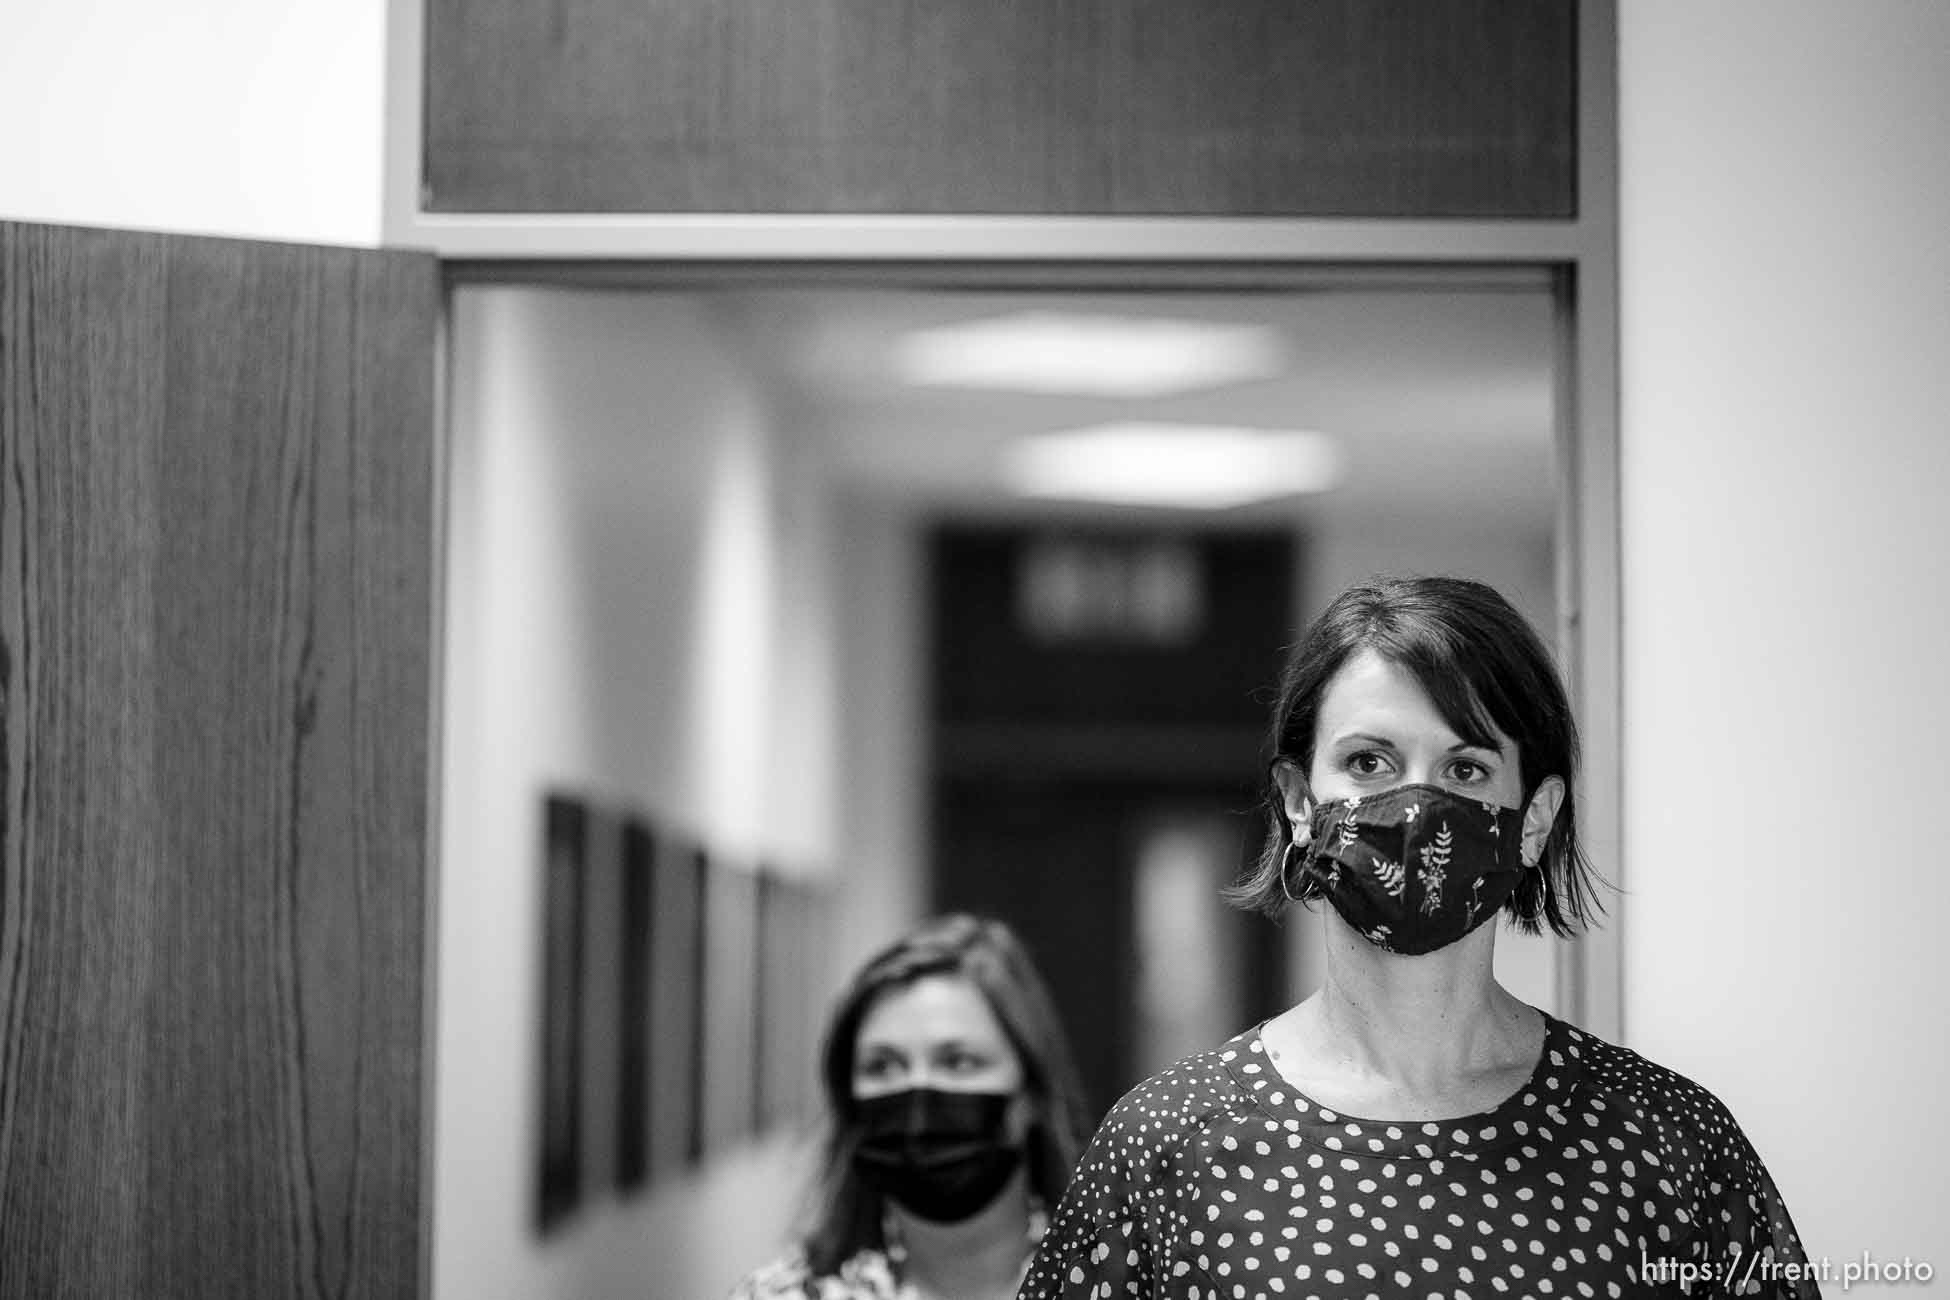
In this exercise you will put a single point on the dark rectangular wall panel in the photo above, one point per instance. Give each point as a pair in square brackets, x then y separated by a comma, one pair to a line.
[215, 551]
[1358, 108]
[992, 669]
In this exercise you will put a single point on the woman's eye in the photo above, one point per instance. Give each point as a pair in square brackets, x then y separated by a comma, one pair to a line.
[1366, 763]
[1468, 771]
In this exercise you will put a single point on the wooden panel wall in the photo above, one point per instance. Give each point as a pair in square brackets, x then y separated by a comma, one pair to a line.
[1436, 108]
[215, 551]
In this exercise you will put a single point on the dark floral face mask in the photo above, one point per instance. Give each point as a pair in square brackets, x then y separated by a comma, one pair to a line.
[1415, 868]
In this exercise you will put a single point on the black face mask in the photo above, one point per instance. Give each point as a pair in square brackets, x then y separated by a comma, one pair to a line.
[1415, 868]
[941, 1155]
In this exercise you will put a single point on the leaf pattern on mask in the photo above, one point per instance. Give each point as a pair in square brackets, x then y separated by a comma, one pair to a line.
[1392, 875]
[1348, 825]
[1475, 896]
[1435, 865]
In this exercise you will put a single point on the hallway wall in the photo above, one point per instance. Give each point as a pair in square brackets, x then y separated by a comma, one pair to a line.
[1786, 376]
[633, 561]
[881, 582]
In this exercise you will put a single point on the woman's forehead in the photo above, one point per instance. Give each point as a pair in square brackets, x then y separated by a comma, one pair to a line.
[933, 1008]
[1372, 695]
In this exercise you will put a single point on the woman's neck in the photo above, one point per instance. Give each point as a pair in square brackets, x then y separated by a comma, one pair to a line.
[979, 1257]
[1424, 1021]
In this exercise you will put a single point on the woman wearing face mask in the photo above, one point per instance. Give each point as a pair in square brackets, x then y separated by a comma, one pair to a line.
[956, 1119]
[1412, 1128]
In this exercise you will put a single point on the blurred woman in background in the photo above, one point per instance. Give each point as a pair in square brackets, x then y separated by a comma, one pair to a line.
[956, 1118]
[1412, 1128]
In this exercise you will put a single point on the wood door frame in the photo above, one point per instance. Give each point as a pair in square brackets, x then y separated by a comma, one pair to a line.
[1577, 257]
[220, 495]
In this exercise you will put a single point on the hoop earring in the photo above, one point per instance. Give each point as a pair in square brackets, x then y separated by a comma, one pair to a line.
[1286, 866]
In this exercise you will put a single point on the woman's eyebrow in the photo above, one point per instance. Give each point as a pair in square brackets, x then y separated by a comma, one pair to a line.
[1364, 738]
[970, 1045]
[1491, 747]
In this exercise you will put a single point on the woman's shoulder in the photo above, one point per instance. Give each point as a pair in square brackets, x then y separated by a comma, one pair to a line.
[1695, 1149]
[1185, 1096]
[1688, 1117]
[1622, 1072]
[1142, 1150]
[867, 1275]
[785, 1278]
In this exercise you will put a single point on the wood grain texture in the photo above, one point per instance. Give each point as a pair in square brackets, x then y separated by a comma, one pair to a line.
[215, 551]
[1427, 108]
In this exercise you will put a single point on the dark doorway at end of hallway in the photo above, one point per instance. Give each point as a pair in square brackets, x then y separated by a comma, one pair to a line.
[1098, 700]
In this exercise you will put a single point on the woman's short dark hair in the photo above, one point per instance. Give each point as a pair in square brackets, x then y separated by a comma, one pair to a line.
[988, 955]
[1481, 664]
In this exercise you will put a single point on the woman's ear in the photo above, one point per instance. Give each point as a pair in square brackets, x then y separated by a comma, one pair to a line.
[1538, 818]
[1296, 798]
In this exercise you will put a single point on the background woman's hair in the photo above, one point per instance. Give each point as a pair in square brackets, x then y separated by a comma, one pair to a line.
[985, 952]
[1481, 664]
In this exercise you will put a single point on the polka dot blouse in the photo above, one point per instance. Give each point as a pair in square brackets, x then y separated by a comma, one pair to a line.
[1215, 1180]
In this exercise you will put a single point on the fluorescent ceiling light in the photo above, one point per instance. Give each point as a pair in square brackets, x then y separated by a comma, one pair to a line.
[1094, 356]
[1188, 466]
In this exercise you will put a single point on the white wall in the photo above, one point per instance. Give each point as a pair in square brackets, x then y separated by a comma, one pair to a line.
[883, 731]
[212, 116]
[638, 608]
[1785, 247]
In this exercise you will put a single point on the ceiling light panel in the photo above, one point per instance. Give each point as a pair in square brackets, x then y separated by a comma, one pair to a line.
[1196, 467]
[1089, 355]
